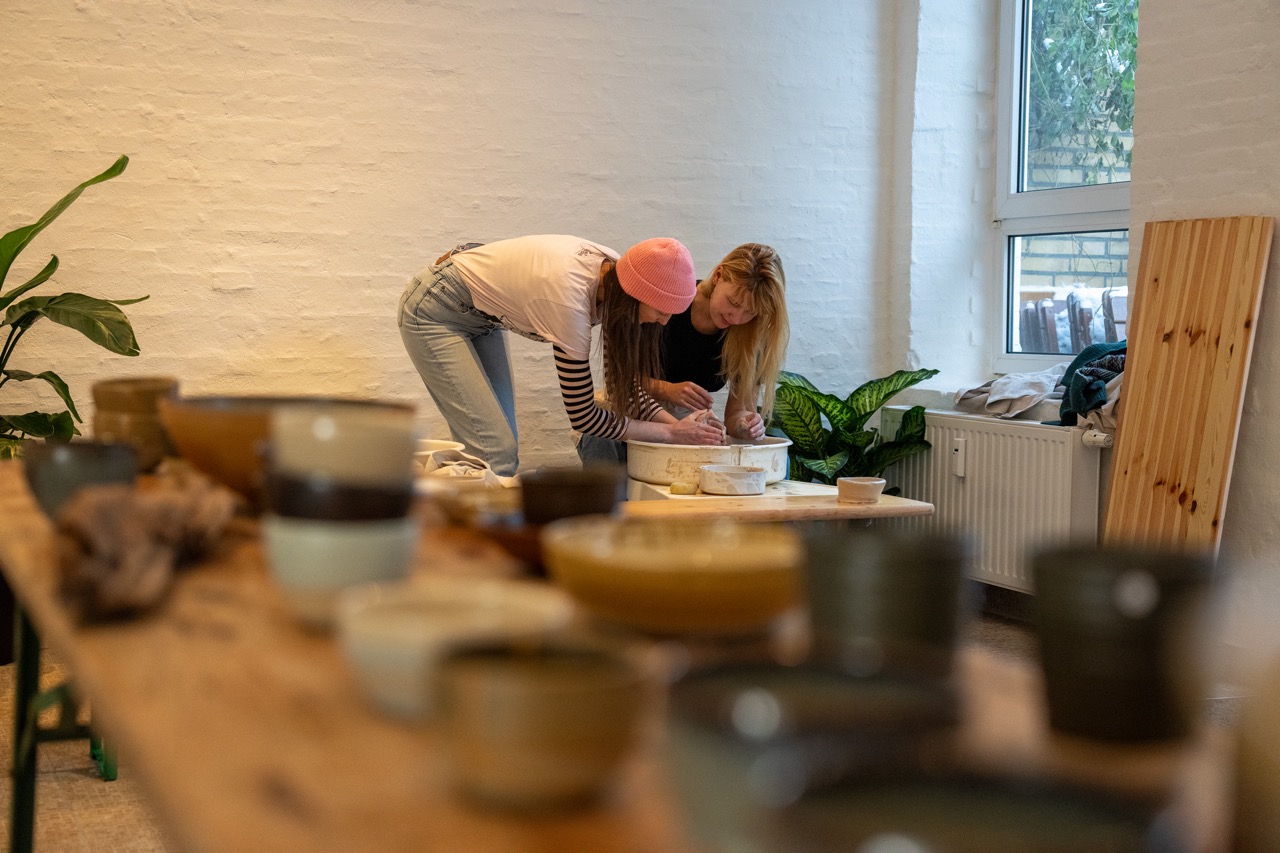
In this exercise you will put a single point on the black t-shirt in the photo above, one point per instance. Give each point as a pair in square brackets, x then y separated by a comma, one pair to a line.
[690, 356]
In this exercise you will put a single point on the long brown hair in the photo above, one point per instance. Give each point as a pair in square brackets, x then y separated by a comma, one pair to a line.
[753, 352]
[631, 349]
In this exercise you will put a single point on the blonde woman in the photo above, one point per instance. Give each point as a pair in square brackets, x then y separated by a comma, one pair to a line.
[735, 333]
[552, 288]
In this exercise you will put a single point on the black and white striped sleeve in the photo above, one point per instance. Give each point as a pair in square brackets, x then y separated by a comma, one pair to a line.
[578, 392]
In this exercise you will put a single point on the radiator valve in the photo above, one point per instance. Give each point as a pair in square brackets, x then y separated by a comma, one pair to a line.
[1097, 438]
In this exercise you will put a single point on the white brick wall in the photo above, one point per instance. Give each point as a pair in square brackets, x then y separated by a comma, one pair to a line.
[1207, 143]
[293, 163]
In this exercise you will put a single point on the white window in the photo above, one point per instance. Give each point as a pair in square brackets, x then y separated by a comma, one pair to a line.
[1064, 143]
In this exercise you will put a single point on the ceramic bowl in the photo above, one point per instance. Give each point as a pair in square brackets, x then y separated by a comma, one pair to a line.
[731, 479]
[392, 635]
[859, 490]
[56, 470]
[426, 447]
[744, 740]
[141, 429]
[464, 500]
[322, 497]
[312, 561]
[356, 445]
[538, 727]
[133, 394]
[675, 577]
[225, 437]
[664, 464]
[548, 494]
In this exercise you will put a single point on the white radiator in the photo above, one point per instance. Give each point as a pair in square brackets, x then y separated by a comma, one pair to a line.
[1013, 485]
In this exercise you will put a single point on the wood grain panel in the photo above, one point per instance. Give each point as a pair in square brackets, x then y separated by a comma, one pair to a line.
[1191, 332]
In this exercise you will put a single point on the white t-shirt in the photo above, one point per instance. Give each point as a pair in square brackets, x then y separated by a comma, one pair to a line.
[542, 286]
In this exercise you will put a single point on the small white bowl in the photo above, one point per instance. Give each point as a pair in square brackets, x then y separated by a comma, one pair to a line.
[311, 560]
[731, 479]
[428, 446]
[392, 635]
[859, 490]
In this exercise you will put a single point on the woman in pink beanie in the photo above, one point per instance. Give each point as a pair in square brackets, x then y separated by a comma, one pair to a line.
[551, 288]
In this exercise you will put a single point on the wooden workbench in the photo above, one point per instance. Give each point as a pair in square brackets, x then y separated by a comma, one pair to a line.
[248, 733]
[785, 500]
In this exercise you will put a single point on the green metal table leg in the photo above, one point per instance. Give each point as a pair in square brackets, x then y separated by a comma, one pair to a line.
[22, 805]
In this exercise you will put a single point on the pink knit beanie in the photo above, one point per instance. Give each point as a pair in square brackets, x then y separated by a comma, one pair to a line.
[658, 272]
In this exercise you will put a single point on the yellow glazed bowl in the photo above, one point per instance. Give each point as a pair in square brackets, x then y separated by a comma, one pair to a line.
[676, 577]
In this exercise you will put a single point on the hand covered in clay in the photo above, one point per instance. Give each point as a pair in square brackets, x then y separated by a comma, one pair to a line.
[749, 426]
[688, 395]
[701, 427]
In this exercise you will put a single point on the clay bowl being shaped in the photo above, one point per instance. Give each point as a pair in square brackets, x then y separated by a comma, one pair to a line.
[731, 479]
[541, 727]
[717, 577]
[664, 464]
[55, 470]
[392, 635]
[225, 437]
[549, 494]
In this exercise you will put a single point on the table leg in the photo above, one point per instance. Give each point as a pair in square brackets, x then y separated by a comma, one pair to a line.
[22, 805]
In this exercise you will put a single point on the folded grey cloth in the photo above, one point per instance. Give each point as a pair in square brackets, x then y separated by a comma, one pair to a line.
[1012, 394]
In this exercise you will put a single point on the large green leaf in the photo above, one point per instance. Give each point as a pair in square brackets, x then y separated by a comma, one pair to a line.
[866, 398]
[795, 380]
[15, 241]
[826, 468]
[54, 380]
[881, 457]
[799, 417]
[97, 319]
[38, 279]
[840, 415]
[40, 425]
[10, 448]
[912, 425]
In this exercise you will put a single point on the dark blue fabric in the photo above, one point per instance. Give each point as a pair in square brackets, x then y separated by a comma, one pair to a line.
[1086, 379]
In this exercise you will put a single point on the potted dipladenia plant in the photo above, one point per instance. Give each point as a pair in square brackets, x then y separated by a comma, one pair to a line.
[99, 320]
[829, 435]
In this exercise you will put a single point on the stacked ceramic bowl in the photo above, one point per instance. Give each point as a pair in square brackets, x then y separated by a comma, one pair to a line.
[126, 410]
[338, 495]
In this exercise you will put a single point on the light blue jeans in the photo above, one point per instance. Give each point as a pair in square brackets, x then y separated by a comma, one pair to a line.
[461, 354]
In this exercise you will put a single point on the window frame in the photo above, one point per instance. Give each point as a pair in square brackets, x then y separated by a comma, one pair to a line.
[1102, 207]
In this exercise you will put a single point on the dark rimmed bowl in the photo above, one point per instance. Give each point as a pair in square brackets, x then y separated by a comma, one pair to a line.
[325, 498]
[552, 493]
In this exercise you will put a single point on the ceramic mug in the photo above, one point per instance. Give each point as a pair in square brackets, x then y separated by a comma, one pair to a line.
[1119, 630]
[886, 600]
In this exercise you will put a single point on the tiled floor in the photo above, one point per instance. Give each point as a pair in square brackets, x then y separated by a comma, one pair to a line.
[76, 811]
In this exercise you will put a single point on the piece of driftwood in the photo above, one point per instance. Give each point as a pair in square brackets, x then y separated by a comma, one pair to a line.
[1190, 336]
[118, 545]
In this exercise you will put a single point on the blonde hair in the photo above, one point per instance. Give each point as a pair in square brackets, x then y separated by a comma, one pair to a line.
[630, 349]
[753, 352]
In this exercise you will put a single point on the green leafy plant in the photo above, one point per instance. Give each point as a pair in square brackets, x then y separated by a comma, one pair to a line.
[99, 320]
[1082, 55]
[844, 446]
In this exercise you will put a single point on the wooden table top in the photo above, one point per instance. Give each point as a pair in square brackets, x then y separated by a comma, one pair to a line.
[785, 500]
[248, 733]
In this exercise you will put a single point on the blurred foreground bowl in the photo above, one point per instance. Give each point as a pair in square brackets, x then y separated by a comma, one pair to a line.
[226, 437]
[676, 577]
